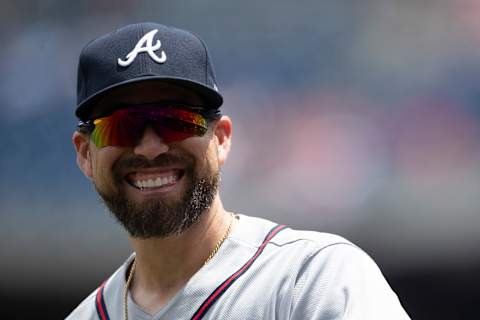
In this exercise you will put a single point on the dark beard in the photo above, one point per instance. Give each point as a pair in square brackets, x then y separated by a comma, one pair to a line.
[158, 218]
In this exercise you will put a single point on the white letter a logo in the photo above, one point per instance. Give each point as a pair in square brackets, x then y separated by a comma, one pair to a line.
[145, 45]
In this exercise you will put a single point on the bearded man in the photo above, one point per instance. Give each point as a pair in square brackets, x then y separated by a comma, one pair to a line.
[152, 140]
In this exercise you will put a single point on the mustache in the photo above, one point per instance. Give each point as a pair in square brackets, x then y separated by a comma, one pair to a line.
[140, 162]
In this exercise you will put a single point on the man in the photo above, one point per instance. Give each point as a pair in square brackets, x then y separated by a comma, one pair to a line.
[152, 140]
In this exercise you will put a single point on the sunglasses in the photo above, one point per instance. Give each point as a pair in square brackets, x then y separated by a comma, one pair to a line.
[125, 127]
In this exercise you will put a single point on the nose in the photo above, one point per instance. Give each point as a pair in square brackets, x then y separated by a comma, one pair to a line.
[150, 145]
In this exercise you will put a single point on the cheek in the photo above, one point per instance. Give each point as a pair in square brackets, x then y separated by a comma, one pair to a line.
[102, 163]
[204, 151]
[211, 157]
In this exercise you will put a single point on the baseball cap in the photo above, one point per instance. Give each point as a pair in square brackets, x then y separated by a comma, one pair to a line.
[144, 52]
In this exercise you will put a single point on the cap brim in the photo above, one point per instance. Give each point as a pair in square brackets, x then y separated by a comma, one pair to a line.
[211, 98]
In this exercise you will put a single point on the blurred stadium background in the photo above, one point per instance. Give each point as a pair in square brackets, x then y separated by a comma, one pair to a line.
[360, 118]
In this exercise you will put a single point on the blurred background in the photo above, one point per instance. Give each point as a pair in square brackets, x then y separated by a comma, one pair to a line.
[360, 118]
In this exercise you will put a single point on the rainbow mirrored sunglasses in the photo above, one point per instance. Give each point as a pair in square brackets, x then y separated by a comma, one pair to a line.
[125, 126]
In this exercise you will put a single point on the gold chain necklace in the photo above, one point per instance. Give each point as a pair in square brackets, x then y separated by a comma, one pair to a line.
[132, 268]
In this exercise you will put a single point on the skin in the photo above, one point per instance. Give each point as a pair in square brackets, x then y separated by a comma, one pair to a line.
[163, 265]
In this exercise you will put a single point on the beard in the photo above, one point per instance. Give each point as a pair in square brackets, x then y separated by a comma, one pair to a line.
[161, 217]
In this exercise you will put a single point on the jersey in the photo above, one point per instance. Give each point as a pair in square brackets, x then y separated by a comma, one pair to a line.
[266, 271]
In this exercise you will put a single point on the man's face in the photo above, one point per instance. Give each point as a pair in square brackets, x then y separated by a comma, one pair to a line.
[155, 189]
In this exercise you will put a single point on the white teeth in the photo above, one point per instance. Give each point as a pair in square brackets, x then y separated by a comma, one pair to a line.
[158, 182]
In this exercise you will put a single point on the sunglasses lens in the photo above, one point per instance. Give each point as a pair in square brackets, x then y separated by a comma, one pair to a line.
[169, 135]
[125, 127]
[178, 124]
[119, 129]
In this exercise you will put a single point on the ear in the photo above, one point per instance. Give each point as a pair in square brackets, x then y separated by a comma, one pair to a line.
[223, 132]
[82, 146]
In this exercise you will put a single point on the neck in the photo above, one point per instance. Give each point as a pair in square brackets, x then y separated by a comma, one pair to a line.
[164, 264]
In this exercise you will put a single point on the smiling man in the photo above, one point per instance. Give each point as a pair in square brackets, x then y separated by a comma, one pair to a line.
[152, 140]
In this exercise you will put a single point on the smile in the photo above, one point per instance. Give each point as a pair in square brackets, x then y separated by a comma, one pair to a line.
[153, 180]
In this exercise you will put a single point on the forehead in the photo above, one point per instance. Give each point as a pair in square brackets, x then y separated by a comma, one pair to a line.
[145, 93]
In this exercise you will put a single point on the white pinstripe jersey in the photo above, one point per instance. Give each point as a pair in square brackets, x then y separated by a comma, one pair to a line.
[266, 272]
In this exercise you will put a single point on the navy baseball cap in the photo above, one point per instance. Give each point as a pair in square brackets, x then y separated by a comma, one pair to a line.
[144, 52]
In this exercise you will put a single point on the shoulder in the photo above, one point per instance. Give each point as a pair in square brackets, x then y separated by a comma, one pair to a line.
[309, 254]
[330, 276]
[318, 250]
[340, 278]
[318, 254]
[86, 309]
[313, 241]
[103, 302]
[253, 231]
[344, 282]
